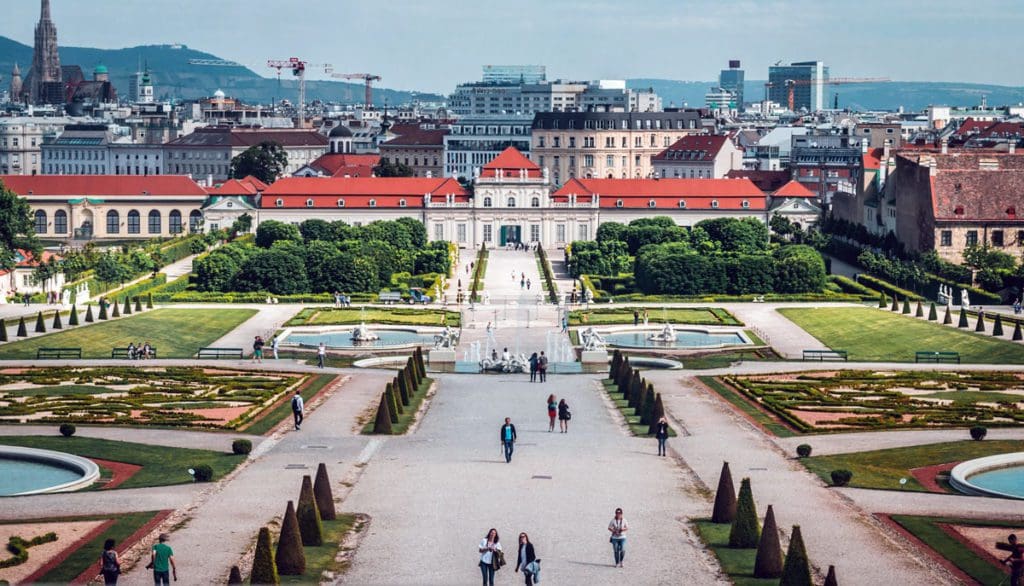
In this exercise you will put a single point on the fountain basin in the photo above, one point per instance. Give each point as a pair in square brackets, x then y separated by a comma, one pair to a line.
[340, 337]
[690, 337]
[999, 476]
[27, 471]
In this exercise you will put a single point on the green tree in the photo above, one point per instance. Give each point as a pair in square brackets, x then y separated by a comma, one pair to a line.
[725, 498]
[110, 269]
[782, 226]
[416, 230]
[323, 493]
[747, 235]
[382, 421]
[768, 562]
[271, 231]
[316, 229]
[265, 161]
[611, 232]
[275, 271]
[351, 274]
[264, 570]
[797, 569]
[215, 271]
[242, 224]
[17, 228]
[745, 531]
[291, 559]
[799, 269]
[310, 525]
[388, 169]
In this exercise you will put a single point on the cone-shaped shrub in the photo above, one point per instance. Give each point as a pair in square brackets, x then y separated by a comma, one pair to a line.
[149, 301]
[1017, 333]
[410, 383]
[614, 366]
[382, 424]
[389, 392]
[932, 314]
[234, 575]
[264, 570]
[411, 367]
[291, 560]
[636, 387]
[420, 367]
[919, 312]
[403, 389]
[324, 495]
[127, 306]
[895, 304]
[768, 563]
[647, 407]
[625, 376]
[117, 311]
[22, 330]
[40, 324]
[73, 318]
[310, 526]
[403, 393]
[88, 314]
[797, 570]
[948, 320]
[745, 531]
[980, 325]
[725, 498]
[103, 310]
[57, 323]
[997, 326]
[138, 304]
[3, 330]
[882, 303]
[830, 578]
[398, 400]
[906, 306]
[963, 318]
[659, 412]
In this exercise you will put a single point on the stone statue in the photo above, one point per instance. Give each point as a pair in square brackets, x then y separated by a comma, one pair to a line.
[449, 338]
[965, 300]
[667, 334]
[65, 297]
[592, 340]
[588, 295]
[512, 364]
[363, 334]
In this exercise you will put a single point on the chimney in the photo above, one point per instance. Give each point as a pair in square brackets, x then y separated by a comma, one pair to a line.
[1013, 146]
[863, 146]
[945, 145]
[885, 148]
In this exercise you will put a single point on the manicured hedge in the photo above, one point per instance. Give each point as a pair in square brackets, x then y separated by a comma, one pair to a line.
[887, 288]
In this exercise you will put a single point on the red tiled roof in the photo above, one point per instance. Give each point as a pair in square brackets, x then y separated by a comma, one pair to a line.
[232, 187]
[24, 259]
[354, 171]
[358, 191]
[510, 161]
[418, 137]
[766, 181]
[694, 147]
[332, 163]
[973, 194]
[667, 193]
[102, 185]
[794, 189]
[255, 183]
[873, 158]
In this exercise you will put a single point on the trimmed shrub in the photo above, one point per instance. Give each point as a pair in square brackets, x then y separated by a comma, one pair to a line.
[659, 412]
[997, 326]
[241, 447]
[40, 324]
[73, 318]
[725, 498]
[803, 450]
[948, 320]
[382, 424]
[963, 318]
[291, 560]
[389, 392]
[768, 562]
[149, 301]
[932, 314]
[614, 366]
[919, 312]
[409, 382]
[403, 393]
[310, 526]
[3, 330]
[403, 387]
[797, 570]
[88, 314]
[647, 406]
[411, 367]
[636, 390]
[264, 570]
[203, 473]
[881, 301]
[138, 304]
[906, 306]
[127, 306]
[22, 330]
[1017, 334]
[57, 324]
[830, 578]
[978, 432]
[745, 532]
[67, 429]
[116, 312]
[979, 326]
[323, 494]
[234, 575]
[841, 477]
[895, 304]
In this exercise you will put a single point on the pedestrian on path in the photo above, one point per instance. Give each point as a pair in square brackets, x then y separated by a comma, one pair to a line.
[552, 412]
[527, 284]
[542, 367]
[508, 439]
[489, 546]
[564, 415]
[618, 528]
[321, 353]
[273, 346]
[162, 561]
[1015, 559]
[110, 566]
[257, 349]
[565, 324]
[298, 406]
[533, 367]
[527, 560]
[661, 432]
[636, 318]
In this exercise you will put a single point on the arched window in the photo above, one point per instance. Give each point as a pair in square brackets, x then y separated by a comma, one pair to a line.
[652, 204]
[341, 203]
[154, 222]
[401, 203]
[746, 204]
[134, 222]
[535, 202]
[60, 222]
[174, 222]
[714, 203]
[113, 222]
[279, 202]
[373, 203]
[487, 202]
[618, 203]
[195, 220]
[40, 222]
[682, 203]
[309, 203]
[511, 202]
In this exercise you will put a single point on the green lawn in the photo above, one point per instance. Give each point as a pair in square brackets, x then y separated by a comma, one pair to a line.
[175, 333]
[417, 316]
[927, 529]
[737, 563]
[713, 316]
[763, 419]
[320, 559]
[270, 420]
[883, 469]
[409, 412]
[161, 465]
[873, 335]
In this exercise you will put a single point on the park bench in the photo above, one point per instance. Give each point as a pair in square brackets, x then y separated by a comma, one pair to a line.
[937, 357]
[45, 353]
[220, 353]
[387, 297]
[823, 355]
[123, 352]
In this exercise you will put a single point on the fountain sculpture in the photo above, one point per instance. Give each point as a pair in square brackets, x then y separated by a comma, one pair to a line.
[592, 340]
[449, 338]
[666, 335]
[363, 334]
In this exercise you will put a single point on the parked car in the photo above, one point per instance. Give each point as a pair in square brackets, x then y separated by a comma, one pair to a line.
[417, 295]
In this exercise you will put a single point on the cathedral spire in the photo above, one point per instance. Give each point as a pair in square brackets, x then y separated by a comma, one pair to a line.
[44, 13]
[46, 71]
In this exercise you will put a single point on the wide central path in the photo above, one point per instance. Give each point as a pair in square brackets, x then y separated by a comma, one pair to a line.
[433, 495]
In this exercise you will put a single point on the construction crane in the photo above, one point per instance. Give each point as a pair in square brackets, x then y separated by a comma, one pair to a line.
[298, 68]
[215, 62]
[369, 78]
[792, 83]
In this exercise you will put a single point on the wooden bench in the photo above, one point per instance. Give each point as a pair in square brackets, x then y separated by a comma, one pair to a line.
[937, 357]
[389, 297]
[123, 352]
[823, 355]
[47, 353]
[220, 353]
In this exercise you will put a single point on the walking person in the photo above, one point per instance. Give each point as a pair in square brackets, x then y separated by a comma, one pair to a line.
[1015, 559]
[110, 566]
[490, 546]
[661, 432]
[542, 367]
[321, 353]
[298, 406]
[508, 439]
[564, 415]
[527, 560]
[533, 367]
[636, 318]
[618, 528]
[527, 284]
[257, 349]
[162, 560]
[552, 412]
[274, 342]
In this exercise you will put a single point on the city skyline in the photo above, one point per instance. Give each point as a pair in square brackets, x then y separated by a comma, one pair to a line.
[596, 40]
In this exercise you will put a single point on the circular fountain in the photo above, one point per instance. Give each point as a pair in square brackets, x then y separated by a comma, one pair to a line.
[1000, 476]
[27, 471]
[668, 337]
[363, 334]
[359, 338]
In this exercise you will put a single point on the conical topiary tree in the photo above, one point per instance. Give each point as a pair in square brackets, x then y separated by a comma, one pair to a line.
[948, 320]
[725, 498]
[895, 304]
[398, 400]
[647, 407]
[410, 383]
[127, 306]
[57, 323]
[882, 302]
[403, 393]
[73, 318]
[625, 377]
[932, 314]
[138, 305]
[636, 387]
[323, 493]
[416, 378]
[997, 326]
[3, 330]
[88, 314]
[980, 325]
[22, 330]
[116, 311]
[768, 562]
[234, 575]
[963, 318]
[392, 404]
[382, 424]
[919, 312]
[906, 305]
[310, 526]
[149, 301]
[40, 324]
[417, 356]
[264, 570]
[659, 412]
[830, 578]
[403, 387]
[1017, 335]
[745, 531]
[291, 560]
[614, 366]
[797, 570]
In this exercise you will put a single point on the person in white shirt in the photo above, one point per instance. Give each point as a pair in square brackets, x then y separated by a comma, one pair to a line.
[488, 546]
[273, 346]
[321, 353]
[618, 528]
[298, 406]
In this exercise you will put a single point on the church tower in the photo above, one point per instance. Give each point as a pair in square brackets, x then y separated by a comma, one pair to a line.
[45, 60]
[16, 87]
[146, 88]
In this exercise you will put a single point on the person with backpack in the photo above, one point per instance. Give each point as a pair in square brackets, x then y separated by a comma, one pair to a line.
[542, 367]
[297, 407]
[508, 438]
[564, 415]
[110, 566]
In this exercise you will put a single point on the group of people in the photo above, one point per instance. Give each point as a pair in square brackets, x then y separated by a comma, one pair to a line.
[538, 367]
[139, 351]
[524, 283]
[161, 561]
[516, 245]
[341, 300]
[259, 343]
[637, 316]
[559, 409]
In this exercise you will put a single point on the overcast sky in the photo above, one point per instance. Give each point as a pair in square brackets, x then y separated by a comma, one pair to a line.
[432, 45]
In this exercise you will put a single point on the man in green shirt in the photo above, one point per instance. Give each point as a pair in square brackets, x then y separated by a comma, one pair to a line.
[162, 561]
